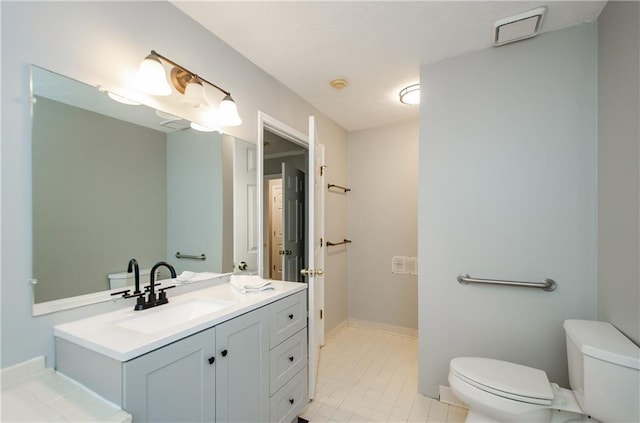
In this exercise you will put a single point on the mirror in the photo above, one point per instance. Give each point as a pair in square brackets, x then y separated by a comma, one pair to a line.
[113, 182]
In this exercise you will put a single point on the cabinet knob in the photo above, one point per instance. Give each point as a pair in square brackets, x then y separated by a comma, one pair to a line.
[291, 401]
[211, 360]
[224, 353]
[291, 358]
[291, 316]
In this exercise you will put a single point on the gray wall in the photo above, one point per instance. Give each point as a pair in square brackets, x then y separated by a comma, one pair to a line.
[383, 222]
[104, 43]
[507, 190]
[99, 198]
[618, 167]
[195, 190]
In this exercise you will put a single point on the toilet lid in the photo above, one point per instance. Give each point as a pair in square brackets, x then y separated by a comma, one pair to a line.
[509, 380]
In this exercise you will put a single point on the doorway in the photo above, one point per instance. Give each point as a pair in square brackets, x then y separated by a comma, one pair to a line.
[284, 170]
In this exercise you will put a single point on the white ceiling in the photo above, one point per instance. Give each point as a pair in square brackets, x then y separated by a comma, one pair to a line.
[377, 46]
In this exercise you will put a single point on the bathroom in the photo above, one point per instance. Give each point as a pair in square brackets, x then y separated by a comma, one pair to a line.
[583, 232]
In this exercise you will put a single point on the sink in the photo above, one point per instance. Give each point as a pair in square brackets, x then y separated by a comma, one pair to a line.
[170, 315]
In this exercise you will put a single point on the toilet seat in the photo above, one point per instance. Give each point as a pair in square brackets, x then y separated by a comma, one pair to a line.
[504, 379]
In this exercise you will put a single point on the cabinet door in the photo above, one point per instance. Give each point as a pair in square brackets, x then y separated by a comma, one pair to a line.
[174, 383]
[242, 372]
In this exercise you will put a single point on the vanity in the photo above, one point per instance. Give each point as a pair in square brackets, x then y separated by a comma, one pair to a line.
[209, 355]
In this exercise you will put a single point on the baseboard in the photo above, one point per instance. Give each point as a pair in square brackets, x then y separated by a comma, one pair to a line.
[333, 332]
[448, 397]
[399, 330]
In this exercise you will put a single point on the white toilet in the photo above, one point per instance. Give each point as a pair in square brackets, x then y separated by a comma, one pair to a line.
[604, 374]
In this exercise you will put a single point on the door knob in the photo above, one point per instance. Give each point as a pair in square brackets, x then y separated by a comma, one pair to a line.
[306, 272]
[319, 272]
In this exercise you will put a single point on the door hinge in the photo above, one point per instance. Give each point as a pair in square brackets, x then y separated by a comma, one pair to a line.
[321, 314]
[321, 241]
[322, 169]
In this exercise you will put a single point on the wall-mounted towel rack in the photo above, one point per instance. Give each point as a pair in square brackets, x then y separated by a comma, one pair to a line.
[344, 241]
[329, 186]
[190, 257]
[546, 285]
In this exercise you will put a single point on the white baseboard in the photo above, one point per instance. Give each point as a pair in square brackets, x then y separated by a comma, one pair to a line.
[448, 397]
[383, 327]
[336, 330]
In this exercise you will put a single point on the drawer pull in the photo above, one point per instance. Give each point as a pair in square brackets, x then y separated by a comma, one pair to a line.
[224, 353]
[211, 360]
[291, 316]
[291, 358]
[291, 401]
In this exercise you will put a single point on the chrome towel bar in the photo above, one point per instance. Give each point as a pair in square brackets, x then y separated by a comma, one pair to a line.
[190, 257]
[546, 285]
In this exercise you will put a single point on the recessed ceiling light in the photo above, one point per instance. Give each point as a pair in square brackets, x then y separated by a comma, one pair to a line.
[410, 94]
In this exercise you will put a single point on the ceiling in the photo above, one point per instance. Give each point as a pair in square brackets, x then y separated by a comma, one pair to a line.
[378, 47]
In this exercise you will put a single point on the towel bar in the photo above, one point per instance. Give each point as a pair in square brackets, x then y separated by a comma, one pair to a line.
[546, 285]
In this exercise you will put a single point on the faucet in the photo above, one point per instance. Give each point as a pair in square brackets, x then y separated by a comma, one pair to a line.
[133, 267]
[152, 301]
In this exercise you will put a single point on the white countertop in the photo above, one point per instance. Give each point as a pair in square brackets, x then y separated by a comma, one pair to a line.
[100, 334]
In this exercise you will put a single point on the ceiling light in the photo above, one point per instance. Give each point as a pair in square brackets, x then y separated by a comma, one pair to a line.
[187, 83]
[410, 94]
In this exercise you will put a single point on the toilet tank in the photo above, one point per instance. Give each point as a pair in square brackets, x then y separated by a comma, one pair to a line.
[125, 279]
[604, 370]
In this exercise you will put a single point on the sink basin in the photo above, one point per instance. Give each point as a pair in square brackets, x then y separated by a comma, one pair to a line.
[170, 315]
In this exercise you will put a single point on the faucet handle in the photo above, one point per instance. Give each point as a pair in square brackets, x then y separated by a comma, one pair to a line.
[123, 293]
[148, 287]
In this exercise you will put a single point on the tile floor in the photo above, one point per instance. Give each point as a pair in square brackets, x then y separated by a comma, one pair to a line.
[367, 375]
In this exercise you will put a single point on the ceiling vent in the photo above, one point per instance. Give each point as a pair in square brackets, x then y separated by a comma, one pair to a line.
[518, 27]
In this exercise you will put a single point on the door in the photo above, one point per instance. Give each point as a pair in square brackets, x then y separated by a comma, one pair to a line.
[245, 206]
[293, 223]
[315, 241]
[173, 383]
[276, 249]
[242, 372]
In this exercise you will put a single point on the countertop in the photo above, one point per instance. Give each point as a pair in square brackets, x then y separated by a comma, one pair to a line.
[101, 334]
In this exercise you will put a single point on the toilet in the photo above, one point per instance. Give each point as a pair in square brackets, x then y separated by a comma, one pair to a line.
[604, 374]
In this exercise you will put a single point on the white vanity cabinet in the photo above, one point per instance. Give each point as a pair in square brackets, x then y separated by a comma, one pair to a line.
[249, 368]
[174, 383]
[242, 368]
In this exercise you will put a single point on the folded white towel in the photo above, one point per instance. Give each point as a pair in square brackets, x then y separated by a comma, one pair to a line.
[250, 283]
[186, 276]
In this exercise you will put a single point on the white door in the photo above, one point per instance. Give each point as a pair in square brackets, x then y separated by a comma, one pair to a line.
[315, 245]
[293, 223]
[245, 206]
[275, 230]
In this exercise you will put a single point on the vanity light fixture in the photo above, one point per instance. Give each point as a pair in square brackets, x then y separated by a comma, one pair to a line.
[187, 83]
[410, 94]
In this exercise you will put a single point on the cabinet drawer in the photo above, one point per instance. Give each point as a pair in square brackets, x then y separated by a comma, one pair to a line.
[287, 359]
[290, 400]
[287, 317]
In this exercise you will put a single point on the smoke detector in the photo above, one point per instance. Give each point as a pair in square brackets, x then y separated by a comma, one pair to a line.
[518, 27]
[338, 83]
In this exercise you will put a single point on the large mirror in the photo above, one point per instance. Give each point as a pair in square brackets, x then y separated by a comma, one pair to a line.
[113, 182]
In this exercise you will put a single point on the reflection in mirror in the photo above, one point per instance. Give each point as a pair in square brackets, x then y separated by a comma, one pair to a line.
[112, 182]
